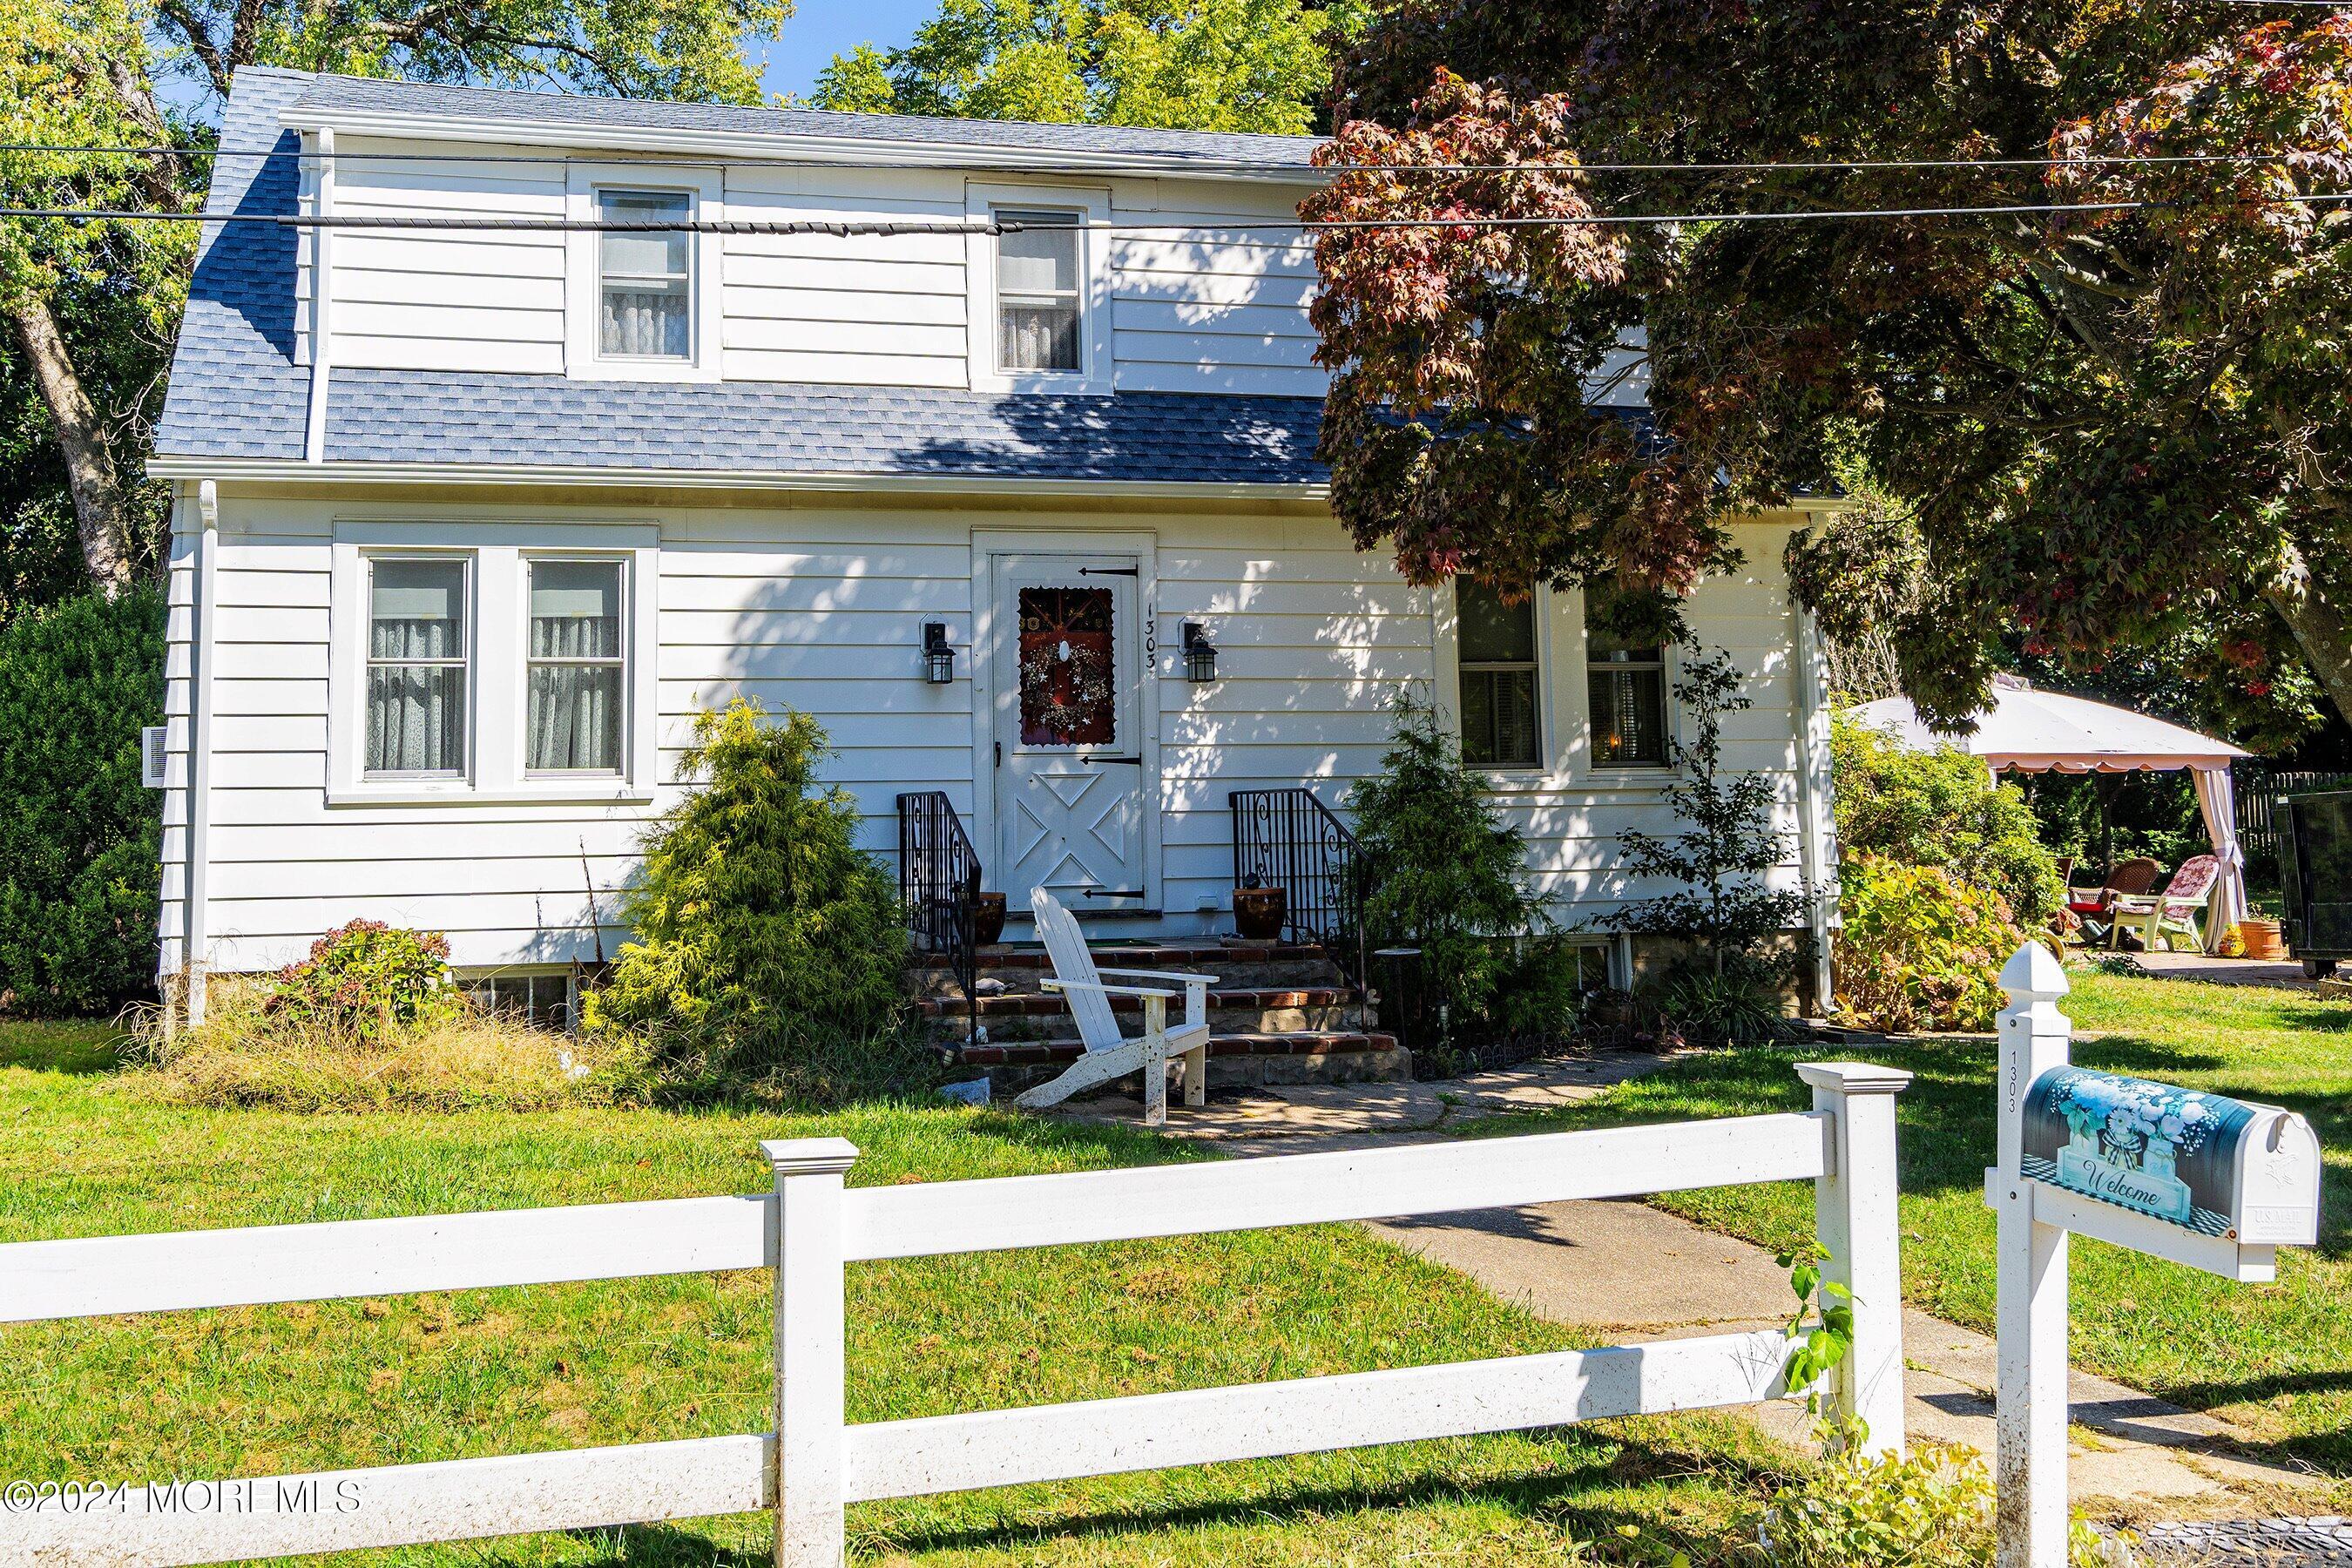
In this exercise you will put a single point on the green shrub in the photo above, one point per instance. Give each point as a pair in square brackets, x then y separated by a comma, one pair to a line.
[1443, 873]
[365, 980]
[1931, 1509]
[1918, 949]
[766, 940]
[1941, 809]
[78, 837]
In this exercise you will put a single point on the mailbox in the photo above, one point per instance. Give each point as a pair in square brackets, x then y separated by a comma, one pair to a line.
[2224, 1168]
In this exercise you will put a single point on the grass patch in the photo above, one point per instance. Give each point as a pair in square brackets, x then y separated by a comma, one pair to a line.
[2275, 1360]
[404, 1379]
[457, 1059]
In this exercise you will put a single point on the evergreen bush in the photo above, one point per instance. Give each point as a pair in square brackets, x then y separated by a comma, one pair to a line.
[1941, 809]
[768, 944]
[80, 835]
[1721, 865]
[1443, 873]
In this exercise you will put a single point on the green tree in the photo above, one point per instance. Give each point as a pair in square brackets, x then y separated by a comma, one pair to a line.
[2096, 429]
[92, 307]
[1203, 65]
[79, 841]
[765, 935]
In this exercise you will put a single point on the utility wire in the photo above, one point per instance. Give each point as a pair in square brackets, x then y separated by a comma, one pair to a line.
[888, 228]
[1145, 171]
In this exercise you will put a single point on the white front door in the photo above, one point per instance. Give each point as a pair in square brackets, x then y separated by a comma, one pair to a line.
[1071, 793]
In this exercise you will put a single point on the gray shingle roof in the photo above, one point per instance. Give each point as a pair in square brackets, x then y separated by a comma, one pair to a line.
[237, 391]
[422, 416]
[370, 95]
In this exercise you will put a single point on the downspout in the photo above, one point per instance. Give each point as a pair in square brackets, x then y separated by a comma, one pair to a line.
[1814, 786]
[320, 145]
[200, 747]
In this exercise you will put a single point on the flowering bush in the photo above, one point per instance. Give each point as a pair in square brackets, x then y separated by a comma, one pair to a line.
[367, 979]
[1919, 950]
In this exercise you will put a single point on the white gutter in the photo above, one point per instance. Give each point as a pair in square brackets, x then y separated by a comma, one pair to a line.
[279, 470]
[197, 874]
[737, 146]
[319, 170]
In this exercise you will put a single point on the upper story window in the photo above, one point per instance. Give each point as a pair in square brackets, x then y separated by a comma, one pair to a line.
[1499, 681]
[644, 281]
[575, 708]
[417, 669]
[1040, 294]
[1626, 679]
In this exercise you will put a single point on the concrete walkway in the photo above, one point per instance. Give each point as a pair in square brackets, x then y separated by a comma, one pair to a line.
[1627, 1271]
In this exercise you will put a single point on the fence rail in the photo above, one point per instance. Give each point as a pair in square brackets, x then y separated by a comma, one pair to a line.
[811, 1226]
[938, 888]
[2259, 787]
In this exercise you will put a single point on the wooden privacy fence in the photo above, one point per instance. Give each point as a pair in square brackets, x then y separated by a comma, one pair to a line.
[813, 1226]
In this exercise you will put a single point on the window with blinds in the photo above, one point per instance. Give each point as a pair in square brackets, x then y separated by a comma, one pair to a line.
[418, 670]
[576, 681]
[1039, 305]
[644, 276]
[1498, 690]
[1626, 681]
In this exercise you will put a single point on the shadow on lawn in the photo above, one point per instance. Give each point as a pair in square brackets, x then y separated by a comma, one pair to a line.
[1553, 1496]
[76, 1048]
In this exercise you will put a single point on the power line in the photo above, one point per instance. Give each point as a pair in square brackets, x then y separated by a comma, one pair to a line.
[896, 228]
[1854, 165]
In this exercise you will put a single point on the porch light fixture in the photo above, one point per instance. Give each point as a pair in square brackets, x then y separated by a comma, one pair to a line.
[938, 658]
[1200, 655]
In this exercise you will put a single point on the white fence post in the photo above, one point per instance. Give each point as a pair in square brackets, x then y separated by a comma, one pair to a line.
[2030, 1471]
[810, 1331]
[1855, 1217]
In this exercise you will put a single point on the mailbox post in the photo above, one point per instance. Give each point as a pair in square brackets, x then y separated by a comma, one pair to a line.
[2203, 1179]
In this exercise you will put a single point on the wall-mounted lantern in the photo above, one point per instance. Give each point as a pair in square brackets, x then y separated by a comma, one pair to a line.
[938, 658]
[1200, 654]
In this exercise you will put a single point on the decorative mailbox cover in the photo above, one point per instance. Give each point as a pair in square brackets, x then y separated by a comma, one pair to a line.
[2243, 1172]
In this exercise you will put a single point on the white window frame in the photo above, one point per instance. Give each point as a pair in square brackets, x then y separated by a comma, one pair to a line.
[1639, 774]
[584, 277]
[1535, 606]
[627, 660]
[1091, 209]
[500, 594]
[470, 610]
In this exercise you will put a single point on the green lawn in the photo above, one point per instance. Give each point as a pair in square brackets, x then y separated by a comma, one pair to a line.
[2274, 1358]
[272, 1390]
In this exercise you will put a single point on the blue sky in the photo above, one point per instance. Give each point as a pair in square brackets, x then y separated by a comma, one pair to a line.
[820, 29]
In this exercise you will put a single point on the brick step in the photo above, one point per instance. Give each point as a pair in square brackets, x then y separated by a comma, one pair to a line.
[1022, 972]
[1044, 1015]
[1133, 955]
[1236, 1060]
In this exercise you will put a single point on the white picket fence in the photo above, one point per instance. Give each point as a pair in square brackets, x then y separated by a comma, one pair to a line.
[813, 1226]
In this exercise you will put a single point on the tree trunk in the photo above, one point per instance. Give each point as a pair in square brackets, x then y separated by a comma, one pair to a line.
[89, 465]
[2320, 626]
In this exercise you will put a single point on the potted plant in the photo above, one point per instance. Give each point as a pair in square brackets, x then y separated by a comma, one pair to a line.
[1259, 911]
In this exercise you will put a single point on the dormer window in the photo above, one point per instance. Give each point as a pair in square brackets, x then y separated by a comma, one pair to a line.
[645, 279]
[1040, 296]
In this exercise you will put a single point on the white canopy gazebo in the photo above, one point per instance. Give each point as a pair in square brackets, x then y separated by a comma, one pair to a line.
[2047, 732]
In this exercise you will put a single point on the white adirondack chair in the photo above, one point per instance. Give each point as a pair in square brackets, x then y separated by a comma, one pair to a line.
[1110, 1055]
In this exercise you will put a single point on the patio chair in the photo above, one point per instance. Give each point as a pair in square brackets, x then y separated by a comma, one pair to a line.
[1109, 1055]
[2171, 914]
[2135, 875]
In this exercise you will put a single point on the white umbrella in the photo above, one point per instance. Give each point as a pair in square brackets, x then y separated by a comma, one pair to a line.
[2048, 732]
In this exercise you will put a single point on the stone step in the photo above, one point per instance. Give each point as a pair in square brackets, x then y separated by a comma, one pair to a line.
[1046, 1015]
[1236, 1060]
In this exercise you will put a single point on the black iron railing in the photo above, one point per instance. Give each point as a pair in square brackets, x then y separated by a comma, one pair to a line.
[1286, 838]
[939, 886]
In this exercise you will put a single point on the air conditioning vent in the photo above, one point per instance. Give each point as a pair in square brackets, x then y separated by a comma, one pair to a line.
[153, 757]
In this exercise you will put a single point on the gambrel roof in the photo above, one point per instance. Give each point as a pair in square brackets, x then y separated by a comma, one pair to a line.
[238, 391]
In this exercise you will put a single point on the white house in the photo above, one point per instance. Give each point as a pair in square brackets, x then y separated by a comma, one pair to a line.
[469, 521]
